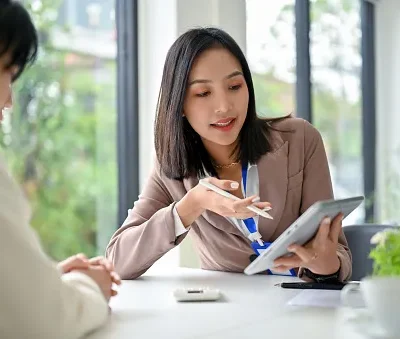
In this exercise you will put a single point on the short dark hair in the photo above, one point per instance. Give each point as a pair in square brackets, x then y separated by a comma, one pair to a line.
[18, 35]
[179, 149]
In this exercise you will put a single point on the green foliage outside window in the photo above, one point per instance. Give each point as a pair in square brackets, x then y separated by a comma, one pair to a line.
[60, 142]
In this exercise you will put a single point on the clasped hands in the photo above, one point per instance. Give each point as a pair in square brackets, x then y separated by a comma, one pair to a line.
[99, 269]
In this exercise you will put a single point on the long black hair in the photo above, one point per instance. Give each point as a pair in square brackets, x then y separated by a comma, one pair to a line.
[18, 36]
[179, 148]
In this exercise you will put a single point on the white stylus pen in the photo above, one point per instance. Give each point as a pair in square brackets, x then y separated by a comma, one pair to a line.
[218, 190]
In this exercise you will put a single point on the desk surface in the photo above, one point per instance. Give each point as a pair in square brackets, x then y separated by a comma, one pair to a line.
[251, 307]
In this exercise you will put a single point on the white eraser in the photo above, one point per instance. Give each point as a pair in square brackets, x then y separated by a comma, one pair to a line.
[197, 294]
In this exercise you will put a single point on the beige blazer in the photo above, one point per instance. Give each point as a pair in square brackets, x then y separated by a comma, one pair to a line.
[292, 177]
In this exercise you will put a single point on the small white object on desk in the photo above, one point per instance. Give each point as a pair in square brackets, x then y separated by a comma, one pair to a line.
[197, 294]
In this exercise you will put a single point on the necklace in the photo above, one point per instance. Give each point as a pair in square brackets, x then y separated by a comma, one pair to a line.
[225, 166]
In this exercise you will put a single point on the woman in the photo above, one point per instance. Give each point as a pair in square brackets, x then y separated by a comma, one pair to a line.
[206, 125]
[39, 299]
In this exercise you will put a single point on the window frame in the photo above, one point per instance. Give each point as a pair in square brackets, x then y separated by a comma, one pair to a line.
[127, 105]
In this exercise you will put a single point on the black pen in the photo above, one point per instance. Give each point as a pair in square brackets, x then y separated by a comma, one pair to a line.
[311, 286]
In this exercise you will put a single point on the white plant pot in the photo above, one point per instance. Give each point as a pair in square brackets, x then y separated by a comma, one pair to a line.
[382, 298]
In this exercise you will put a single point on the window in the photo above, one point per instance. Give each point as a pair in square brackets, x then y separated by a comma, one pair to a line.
[271, 55]
[335, 43]
[336, 92]
[60, 140]
[383, 18]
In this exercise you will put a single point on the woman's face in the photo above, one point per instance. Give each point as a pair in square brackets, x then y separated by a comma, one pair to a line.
[217, 97]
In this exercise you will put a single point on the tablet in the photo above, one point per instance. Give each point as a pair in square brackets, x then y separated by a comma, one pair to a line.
[302, 230]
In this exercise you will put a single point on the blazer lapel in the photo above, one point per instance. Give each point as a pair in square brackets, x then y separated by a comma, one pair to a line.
[273, 181]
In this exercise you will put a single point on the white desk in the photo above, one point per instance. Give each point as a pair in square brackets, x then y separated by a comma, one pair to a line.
[252, 307]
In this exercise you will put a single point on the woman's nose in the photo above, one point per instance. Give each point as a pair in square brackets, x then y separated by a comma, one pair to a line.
[224, 104]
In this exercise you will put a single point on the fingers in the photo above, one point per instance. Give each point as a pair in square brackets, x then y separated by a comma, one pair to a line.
[330, 229]
[100, 260]
[306, 255]
[241, 215]
[227, 185]
[292, 261]
[323, 231]
[81, 256]
[253, 200]
[115, 278]
[241, 205]
[238, 209]
[78, 261]
[103, 262]
[265, 206]
[336, 228]
[238, 213]
[282, 268]
[231, 207]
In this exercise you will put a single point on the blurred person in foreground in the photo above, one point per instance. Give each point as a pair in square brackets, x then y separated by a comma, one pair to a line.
[39, 298]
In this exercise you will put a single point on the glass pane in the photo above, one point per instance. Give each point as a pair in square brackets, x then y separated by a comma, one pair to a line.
[389, 158]
[271, 55]
[60, 140]
[336, 92]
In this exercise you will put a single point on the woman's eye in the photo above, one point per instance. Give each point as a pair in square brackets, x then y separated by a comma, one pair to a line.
[203, 94]
[235, 87]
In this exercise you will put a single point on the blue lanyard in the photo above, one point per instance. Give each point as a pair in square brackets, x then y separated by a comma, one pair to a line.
[252, 227]
[250, 223]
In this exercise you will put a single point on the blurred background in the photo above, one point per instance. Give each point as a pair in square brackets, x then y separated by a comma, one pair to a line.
[80, 138]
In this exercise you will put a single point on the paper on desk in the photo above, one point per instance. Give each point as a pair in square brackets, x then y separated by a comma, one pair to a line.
[317, 298]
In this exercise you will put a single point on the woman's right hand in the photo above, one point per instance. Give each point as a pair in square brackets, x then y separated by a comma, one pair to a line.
[217, 203]
[200, 198]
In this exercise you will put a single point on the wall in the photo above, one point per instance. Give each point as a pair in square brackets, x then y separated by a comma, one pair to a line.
[387, 46]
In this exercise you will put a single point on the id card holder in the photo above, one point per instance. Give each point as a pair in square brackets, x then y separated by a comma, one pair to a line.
[252, 228]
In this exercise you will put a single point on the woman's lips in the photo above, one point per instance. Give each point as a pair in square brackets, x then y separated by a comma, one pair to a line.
[224, 125]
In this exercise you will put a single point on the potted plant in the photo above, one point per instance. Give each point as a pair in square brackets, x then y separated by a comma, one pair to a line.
[386, 253]
[381, 290]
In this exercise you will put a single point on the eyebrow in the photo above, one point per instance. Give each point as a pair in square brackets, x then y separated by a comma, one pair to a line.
[204, 81]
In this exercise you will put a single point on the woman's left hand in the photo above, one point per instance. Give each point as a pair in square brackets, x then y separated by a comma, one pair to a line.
[319, 255]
